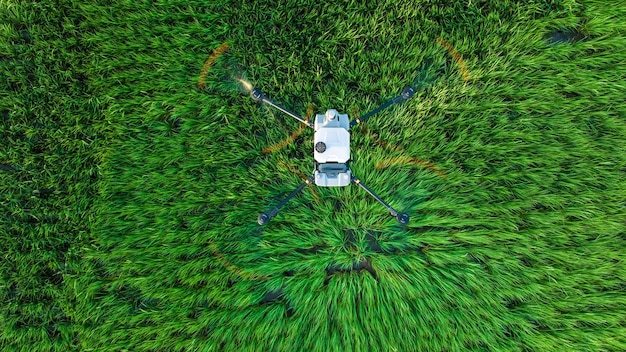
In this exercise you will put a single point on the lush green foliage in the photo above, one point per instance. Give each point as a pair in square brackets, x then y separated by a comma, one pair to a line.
[130, 195]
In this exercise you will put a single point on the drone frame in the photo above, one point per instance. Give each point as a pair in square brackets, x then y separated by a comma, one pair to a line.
[265, 217]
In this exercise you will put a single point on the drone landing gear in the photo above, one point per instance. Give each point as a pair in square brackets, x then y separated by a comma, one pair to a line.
[264, 218]
[402, 218]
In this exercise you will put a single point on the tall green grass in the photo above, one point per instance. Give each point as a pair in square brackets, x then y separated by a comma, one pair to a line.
[51, 139]
[132, 194]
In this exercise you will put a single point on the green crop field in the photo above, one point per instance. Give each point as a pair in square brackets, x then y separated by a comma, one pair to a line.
[134, 164]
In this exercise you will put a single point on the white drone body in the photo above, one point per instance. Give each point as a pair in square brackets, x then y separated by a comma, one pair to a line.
[332, 149]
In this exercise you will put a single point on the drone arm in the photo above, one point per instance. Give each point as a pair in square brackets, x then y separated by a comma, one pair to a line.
[264, 218]
[258, 95]
[402, 218]
[407, 93]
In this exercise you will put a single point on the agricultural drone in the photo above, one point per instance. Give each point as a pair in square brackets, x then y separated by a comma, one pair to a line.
[331, 151]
